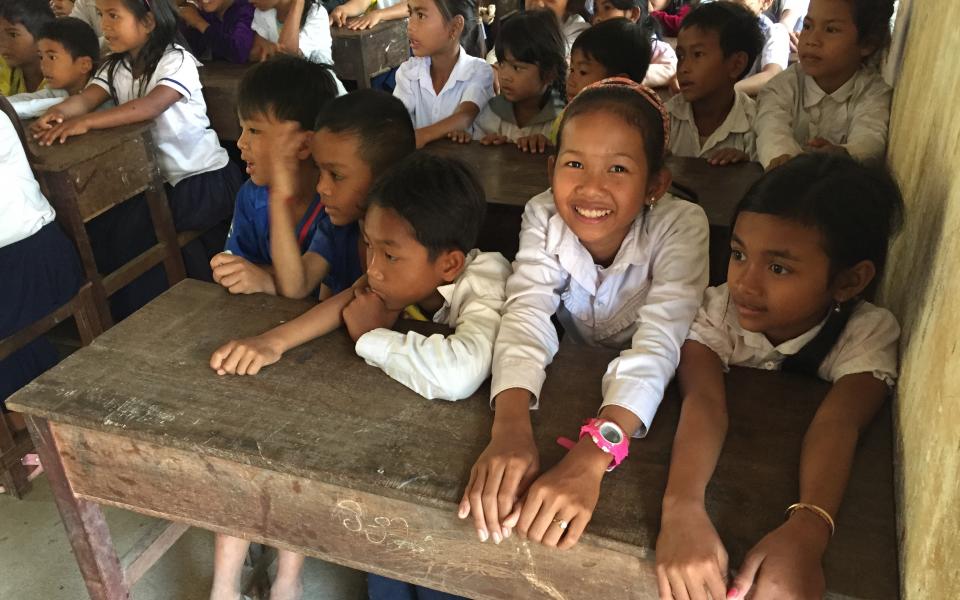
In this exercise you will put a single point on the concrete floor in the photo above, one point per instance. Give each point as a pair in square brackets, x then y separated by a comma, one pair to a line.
[36, 562]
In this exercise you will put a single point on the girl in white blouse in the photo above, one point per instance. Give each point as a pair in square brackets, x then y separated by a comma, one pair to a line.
[622, 264]
[310, 36]
[808, 243]
[443, 87]
[834, 100]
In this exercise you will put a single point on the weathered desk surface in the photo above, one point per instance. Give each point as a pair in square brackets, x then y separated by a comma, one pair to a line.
[220, 81]
[361, 54]
[325, 455]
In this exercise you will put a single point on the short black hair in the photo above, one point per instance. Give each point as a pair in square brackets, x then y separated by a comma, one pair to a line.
[534, 37]
[288, 88]
[32, 14]
[872, 18]
[629, 105]
[619, 45]
[76, 37]
[857, 208]
[378, 119]
[738, 28]
[441, 198]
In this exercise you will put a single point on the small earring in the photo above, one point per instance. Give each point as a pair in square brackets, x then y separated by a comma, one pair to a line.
[836, 307]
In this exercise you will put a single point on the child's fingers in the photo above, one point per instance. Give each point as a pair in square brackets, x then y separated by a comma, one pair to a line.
[463, 511]
[231, 361]
[245, 361]
[510, 521]
[491, 489]
[745, 578]
[531, 506]
[677, 586]
[554, 532]
[541, 144]
[216, 359]
[476, 504]
[715, 583]
[663, 584]
[543, 520]
[258, 363]
[509, 488]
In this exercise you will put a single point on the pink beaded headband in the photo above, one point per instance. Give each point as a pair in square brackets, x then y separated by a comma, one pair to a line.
[648, 94]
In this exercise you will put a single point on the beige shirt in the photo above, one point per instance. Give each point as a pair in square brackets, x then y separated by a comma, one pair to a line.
[736, 131]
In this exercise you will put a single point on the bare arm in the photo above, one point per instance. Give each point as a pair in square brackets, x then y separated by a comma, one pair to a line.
[89, 99]
[753, 84]
[289, 39]
[462, 118]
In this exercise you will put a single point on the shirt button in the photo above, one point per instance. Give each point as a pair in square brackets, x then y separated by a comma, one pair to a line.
[770, 365]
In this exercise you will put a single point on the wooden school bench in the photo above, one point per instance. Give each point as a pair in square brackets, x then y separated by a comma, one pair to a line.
[360, 55]
[90, 174]
[356, 469]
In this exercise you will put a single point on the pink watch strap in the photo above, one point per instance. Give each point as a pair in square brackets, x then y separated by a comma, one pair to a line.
[618, 451]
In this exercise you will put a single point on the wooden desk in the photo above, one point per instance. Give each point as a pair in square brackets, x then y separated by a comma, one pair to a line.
[325, 455]
[220, 82]
[90, 174]
[359, 55]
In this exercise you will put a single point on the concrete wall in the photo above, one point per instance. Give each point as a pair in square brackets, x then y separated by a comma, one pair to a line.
[922, 286]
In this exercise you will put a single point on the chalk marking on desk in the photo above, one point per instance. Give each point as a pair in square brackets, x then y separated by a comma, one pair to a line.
[404, 484]
[543, 587]
[383, 530]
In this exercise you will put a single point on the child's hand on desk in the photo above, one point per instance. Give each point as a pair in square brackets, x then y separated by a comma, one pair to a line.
[460, 136]
[535, 144]
[367, 312]
[690, 556]
[780, 160]
[65, 129]
[367, 20]
[819, 144]
[494, 139]
[240, 276]
[338, 17]
[246, 356]
[727, 156]
[501, 475]
[560, 503]
[262, 49]
[45, 122]
[786, 563]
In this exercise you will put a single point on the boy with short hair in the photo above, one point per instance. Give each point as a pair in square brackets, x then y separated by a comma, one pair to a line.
[775, 55]
[69, 53]
[420, 228]
[358, 137]
[716, 45]
[20, 23]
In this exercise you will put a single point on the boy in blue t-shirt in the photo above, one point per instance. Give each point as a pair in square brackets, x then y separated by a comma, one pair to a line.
[278, 102]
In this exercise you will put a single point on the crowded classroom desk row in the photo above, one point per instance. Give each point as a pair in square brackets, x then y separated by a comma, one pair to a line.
[363, 472]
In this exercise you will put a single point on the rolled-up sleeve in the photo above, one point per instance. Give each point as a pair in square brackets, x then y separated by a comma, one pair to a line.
[775, 118]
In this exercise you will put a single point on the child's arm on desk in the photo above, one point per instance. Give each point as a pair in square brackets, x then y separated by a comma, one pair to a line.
[788, 562]
[147, 108]
[461, 119]
[690, 555]
[249, 355]
[74, 106]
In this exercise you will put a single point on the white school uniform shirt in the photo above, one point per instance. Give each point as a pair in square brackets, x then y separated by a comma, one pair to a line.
[663, 64]
[470, 81]
[86, 11]
[447, 367]
[315, 39]
[736, 131]
[497, 117]
[792, 109]
[643, 303]
[868, 343]
[30, 105]
[23, 208]
[776, 46]
[185, 143]
[571, 28]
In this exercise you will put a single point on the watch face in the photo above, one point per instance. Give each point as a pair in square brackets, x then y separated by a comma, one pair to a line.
[611, 433]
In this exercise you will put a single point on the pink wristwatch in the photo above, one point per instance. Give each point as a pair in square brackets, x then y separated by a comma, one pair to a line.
[607, 435]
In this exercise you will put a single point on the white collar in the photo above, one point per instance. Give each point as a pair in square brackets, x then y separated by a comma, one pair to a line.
[813, 94]
[736, 120]
[760, 342]
[447, 290]
[460, 72]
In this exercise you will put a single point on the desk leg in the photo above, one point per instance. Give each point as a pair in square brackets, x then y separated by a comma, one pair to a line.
[84, 522]
[163, 221]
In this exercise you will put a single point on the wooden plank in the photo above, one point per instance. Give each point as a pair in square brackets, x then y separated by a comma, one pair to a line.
[86, 528]
[354, 429]
[220, 81]
[359, 55]
[58, 157]
[150, 548]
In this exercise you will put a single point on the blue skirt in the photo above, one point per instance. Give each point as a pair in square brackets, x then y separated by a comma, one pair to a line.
[203, 201]
[39, 274]
[384, 588]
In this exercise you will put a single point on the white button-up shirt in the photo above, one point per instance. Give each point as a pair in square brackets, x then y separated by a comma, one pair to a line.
[447, 367]
[868, 344]
[185, 143]
[23, 208]
[315, 40]
[642, 303]
[776, 46]
[792, 109]
[736, 131]
[470, 81]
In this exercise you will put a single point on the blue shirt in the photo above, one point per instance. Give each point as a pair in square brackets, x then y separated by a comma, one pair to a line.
[340, 246]
[249, 235]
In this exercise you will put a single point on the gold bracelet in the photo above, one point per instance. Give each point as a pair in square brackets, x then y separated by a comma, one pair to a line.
[815, 510]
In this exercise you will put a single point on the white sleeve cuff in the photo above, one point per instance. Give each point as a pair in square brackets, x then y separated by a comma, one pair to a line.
[634, 396]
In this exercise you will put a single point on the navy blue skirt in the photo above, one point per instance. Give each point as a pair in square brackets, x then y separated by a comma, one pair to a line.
[39, 274]
[384, 588]
[203, 201]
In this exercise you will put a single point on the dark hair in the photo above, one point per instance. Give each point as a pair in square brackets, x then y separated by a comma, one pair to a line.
[738, 28]
[378, 119]
[164, 33]
[632, 107]
[619, 45]
[288, 88]
[76, 37]
[307, 7]
[534, 37]
[872, 18]
[451, 8]
[649, 24]
[856, 208]
[32, 14]
[441, 198]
